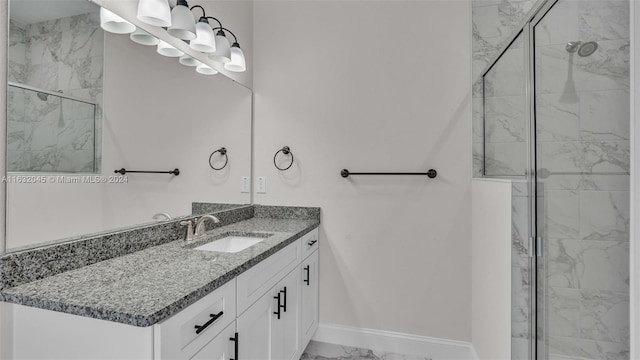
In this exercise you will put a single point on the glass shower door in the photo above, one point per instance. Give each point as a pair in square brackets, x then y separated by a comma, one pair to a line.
[581, 58]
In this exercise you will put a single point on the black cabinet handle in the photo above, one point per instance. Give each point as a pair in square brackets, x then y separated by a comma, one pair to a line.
[285, 298]
[306, 268]
[279, 306]
[310, 243]
[235, 346]
[214, 317]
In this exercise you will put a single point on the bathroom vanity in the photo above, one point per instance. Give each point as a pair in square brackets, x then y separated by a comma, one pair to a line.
[172, 301]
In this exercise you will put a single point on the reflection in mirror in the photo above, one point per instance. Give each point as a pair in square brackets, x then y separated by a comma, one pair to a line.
[84, 103]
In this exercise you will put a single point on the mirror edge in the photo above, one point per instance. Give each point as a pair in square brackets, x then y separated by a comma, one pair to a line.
[4, 73]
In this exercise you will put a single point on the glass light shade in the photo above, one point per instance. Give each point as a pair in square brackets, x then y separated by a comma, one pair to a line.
[114, 24]
[167, 49]
[143, 38]
[204, 41]
[154, 12]
[205, 69]
[237, 63]
[187, 60]
[183, 24]
[223, 49]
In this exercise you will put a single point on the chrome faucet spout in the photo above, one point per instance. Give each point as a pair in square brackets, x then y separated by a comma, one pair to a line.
[200, 228]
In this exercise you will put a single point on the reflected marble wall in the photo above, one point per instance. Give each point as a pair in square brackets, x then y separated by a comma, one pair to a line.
[49, 133]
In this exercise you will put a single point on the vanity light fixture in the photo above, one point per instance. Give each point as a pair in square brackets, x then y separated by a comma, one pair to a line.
[183, 24]
[114, 24]
[205, 69]
[154, 12]
[238, 62]
[223, 48]
[143, 38]
[187, 60]
[167, 49]
[204, 41]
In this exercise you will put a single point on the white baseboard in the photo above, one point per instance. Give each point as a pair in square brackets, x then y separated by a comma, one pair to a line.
[393, 342]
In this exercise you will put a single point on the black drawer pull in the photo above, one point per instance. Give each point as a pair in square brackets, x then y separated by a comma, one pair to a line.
[235, 346]
[310, 243]
[306, 268]
[285, 298]
[278, 307]
[214, 317]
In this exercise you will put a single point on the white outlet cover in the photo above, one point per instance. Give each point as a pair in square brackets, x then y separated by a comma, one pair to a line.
[245, 184]
[261, 185]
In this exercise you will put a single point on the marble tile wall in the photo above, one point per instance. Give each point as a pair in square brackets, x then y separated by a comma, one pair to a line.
[582, 112]
[583, 159]
[50, 133]
[494, 22]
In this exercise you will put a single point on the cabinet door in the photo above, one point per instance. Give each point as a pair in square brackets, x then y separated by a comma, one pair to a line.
[254, 329]
[221, 347]
[285, 332]
[309, 298]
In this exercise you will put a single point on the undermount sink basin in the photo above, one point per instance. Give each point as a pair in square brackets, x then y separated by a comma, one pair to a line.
[231, 244]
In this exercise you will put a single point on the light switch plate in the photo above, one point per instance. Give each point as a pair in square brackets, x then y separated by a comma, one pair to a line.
[261, 185]
[245, 184]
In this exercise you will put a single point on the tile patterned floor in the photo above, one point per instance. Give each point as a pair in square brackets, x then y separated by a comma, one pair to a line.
[324, 351]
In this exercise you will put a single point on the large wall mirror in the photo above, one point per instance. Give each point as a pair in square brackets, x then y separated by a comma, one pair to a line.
[82, 103]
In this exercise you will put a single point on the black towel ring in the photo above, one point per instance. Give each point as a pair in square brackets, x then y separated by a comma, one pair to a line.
[287, 151]
[223, 152]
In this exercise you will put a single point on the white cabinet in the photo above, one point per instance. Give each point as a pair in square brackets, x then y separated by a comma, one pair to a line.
[185, 333]
[269, 328]
[285, 330]
[222, 347]
[309, 297]
[268, 312]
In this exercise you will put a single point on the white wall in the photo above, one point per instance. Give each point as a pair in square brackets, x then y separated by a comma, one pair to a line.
[373, 86]
[491, 268]
[158, 115]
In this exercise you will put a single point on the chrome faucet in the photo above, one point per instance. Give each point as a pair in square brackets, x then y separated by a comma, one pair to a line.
[200, 229]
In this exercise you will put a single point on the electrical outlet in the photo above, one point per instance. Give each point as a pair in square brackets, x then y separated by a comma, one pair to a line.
[261, 185]
[245, 184]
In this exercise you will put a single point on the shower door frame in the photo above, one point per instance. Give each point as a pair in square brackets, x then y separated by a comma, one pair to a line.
[535, 245]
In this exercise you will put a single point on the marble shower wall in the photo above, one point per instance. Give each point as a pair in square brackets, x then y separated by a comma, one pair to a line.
[494, 22]
[45, 132]
[583, 155]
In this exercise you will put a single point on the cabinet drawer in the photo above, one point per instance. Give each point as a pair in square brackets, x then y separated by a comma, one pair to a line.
[255, 282]
[176, 337]
[309, 243]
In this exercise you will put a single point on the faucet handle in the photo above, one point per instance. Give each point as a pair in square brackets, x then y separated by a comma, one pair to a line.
[189, 225]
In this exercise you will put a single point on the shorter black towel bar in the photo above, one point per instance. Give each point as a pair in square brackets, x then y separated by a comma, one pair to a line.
[123, 171]
[431, 173]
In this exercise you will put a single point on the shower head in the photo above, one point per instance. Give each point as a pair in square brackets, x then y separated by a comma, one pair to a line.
[43, 96]
[588, 48]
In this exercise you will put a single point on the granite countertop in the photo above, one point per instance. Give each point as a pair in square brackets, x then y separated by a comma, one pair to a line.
[148, 286]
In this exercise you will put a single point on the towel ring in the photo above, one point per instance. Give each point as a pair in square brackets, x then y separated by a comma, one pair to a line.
[223, 152]
[286, 151]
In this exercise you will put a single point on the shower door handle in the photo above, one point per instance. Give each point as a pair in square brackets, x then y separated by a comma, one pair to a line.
[539, 247]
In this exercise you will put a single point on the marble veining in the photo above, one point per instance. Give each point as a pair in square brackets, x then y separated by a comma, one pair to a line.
[46, 132]
[144, 287]
[325, 351]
